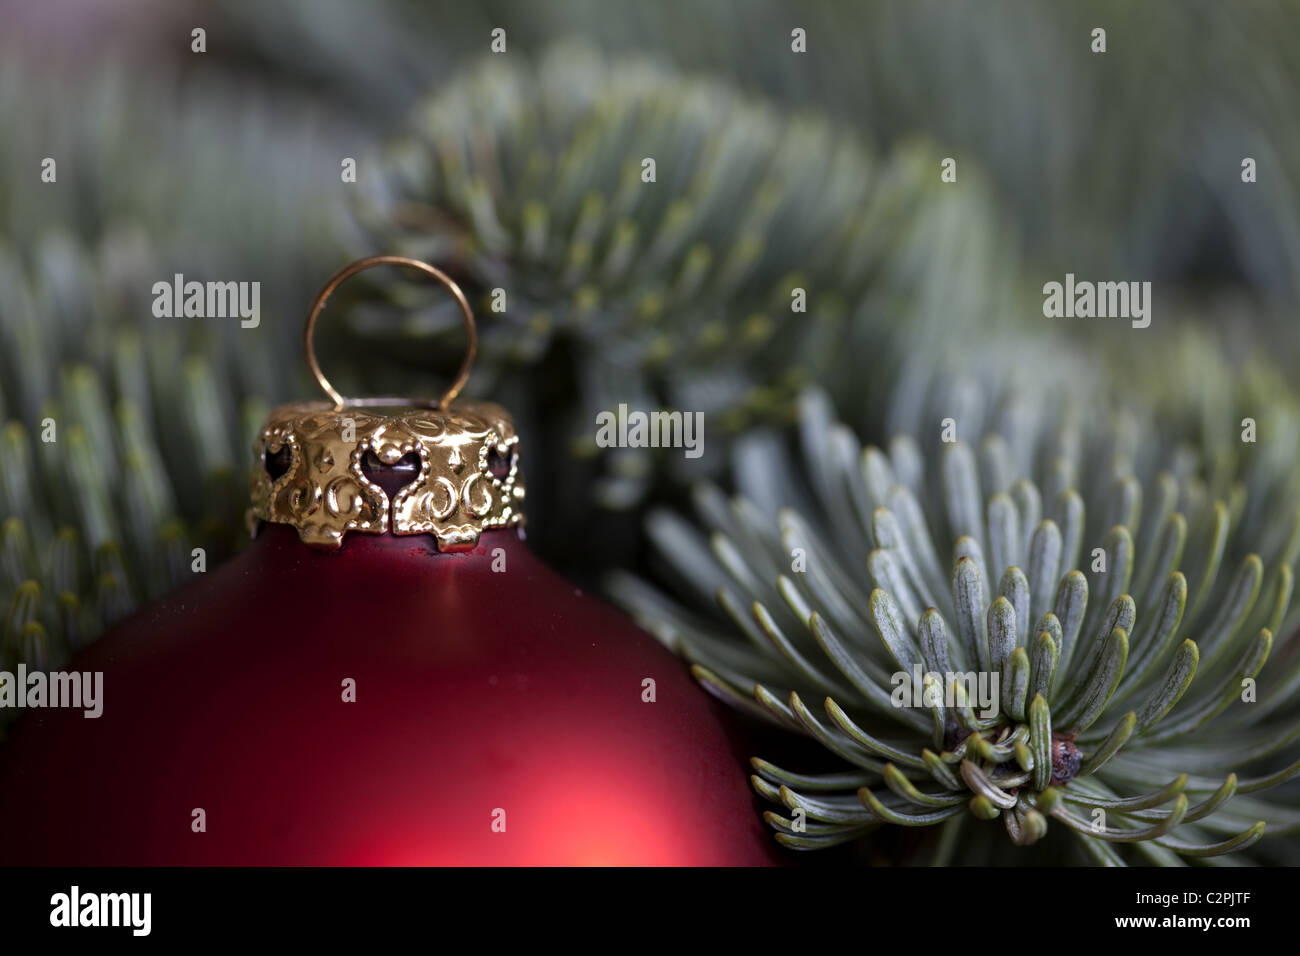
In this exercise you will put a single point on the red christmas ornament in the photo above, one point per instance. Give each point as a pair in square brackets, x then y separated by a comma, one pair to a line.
[414, 689]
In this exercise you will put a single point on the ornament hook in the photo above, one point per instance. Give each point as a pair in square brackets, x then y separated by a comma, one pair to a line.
[360, 265]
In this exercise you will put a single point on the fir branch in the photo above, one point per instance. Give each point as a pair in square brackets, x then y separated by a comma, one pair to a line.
[1113, 675]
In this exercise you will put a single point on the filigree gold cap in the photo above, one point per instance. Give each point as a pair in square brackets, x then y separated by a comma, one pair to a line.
[380, 465]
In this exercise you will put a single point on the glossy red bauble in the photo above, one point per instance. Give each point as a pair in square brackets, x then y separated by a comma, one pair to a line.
[499, 719]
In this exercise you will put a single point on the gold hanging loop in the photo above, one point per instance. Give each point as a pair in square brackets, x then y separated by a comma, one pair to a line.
[360, 265]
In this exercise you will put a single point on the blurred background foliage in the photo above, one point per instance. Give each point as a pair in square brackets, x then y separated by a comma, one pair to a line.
[519, 171]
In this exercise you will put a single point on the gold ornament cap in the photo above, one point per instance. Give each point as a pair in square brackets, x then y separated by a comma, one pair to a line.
[381, 465]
